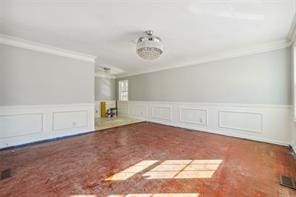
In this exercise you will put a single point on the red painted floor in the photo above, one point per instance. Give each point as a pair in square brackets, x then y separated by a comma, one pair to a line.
[146, 159]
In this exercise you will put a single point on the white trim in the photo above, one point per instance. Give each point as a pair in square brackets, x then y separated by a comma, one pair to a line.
[73, 126]
[157, 117]
[44, 48]
[23, 128]
[205, 123]
[275, 120]
[271, 46]
[226, 133]
[41, 129]
[49, 106]
[220, 125]
[218, 104]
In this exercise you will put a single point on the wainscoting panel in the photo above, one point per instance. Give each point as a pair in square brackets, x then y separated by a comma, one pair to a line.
[26, 124]
[245, 121]
[123, 108]
[193, 116]
[20, 124]
[70, 120]
[138, 110]
[266, 123]
[161, 112]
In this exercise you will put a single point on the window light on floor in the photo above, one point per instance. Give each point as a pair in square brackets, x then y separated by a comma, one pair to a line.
[131, 171]
[170, 169]
[184, 169]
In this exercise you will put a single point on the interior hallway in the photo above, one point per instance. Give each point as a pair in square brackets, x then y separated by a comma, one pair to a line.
[147, 158]
[106, 123]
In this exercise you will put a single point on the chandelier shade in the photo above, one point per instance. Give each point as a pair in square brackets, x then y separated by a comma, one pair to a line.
[149, 47]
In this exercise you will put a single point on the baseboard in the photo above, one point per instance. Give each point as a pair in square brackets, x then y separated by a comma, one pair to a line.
[45, 141]
[28, 124]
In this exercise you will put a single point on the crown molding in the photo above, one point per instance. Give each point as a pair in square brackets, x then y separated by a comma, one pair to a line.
[272, 46]
[292, 32]
[39, 47]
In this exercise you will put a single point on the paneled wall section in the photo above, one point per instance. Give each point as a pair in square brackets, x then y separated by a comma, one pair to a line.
[266, 123]
[26, 124]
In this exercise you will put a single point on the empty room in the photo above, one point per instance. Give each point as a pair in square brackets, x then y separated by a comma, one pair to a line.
[147, 98]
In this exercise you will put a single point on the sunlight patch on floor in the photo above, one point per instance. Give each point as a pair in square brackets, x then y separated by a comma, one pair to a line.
[131, 171]
[184, 169]
[170, 169]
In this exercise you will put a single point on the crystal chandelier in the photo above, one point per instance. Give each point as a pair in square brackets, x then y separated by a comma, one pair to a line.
[149, 47]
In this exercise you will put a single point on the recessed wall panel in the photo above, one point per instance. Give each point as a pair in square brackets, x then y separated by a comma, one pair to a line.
[161, 112]
[193, 116]
[70, 119]
[245, 121]
[20, 124]
[138, 110]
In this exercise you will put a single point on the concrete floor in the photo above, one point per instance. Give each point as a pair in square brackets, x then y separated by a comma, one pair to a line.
[106, 123]
[148, 159]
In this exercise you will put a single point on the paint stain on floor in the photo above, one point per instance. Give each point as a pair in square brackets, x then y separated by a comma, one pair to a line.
[145, 160]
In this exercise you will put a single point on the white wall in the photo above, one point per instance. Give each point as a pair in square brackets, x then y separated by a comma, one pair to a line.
[43, 96]
[105, 88]
[33, 78]
[255, 79]
[248, 97]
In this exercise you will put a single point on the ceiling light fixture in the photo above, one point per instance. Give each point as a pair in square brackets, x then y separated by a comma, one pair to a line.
[149, 47]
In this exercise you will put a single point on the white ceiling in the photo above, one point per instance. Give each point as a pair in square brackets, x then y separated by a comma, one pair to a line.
[107, 29]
